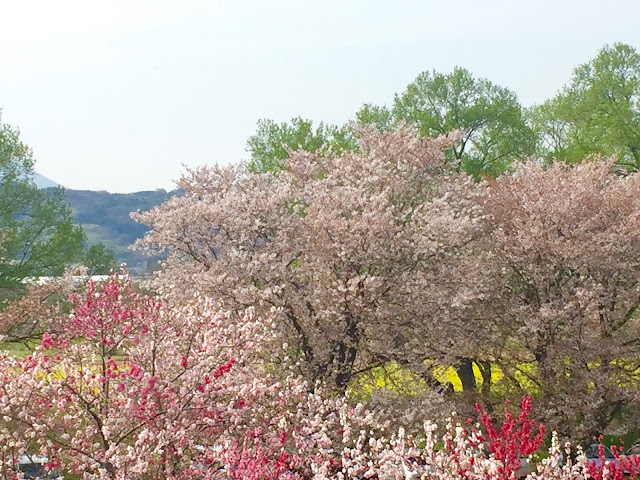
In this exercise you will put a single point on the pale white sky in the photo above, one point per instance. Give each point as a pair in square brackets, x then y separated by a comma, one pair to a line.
[117, 95]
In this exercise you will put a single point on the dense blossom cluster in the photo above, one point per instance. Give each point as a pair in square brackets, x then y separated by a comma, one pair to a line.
[568, 240]
[349, 248]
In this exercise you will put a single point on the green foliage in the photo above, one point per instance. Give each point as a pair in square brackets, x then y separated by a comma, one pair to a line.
[270, 145]
[100, 260]
[597, 113]
[489, 118]
[381, 117]
[37, 232]
[551, 130]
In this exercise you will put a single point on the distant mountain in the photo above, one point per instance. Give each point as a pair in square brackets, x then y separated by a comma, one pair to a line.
[43, 182]
[105, 218]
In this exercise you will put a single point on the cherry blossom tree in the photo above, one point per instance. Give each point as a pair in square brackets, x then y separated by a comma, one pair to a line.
[366, 255]
[566, 243]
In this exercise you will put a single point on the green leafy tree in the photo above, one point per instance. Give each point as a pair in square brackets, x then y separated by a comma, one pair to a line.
[100, 260]
[270, 146]
[492, 126]
[597, 113]
[551, 130]
[37, 232]
[489, 118]
[380, 116]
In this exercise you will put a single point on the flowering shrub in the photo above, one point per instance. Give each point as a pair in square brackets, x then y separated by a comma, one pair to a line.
[514, 440]
[462, 451]
[481, 451]
[617, 468]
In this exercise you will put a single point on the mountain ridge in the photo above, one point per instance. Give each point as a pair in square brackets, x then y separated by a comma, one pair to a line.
[105, 217]
[43, 182]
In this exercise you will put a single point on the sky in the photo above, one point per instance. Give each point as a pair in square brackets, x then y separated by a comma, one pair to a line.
[121, 95]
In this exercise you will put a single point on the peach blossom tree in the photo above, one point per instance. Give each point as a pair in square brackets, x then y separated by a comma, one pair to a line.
[130, 386]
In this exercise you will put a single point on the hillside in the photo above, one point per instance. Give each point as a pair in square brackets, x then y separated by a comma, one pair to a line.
[105, 218]
[43, 182]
